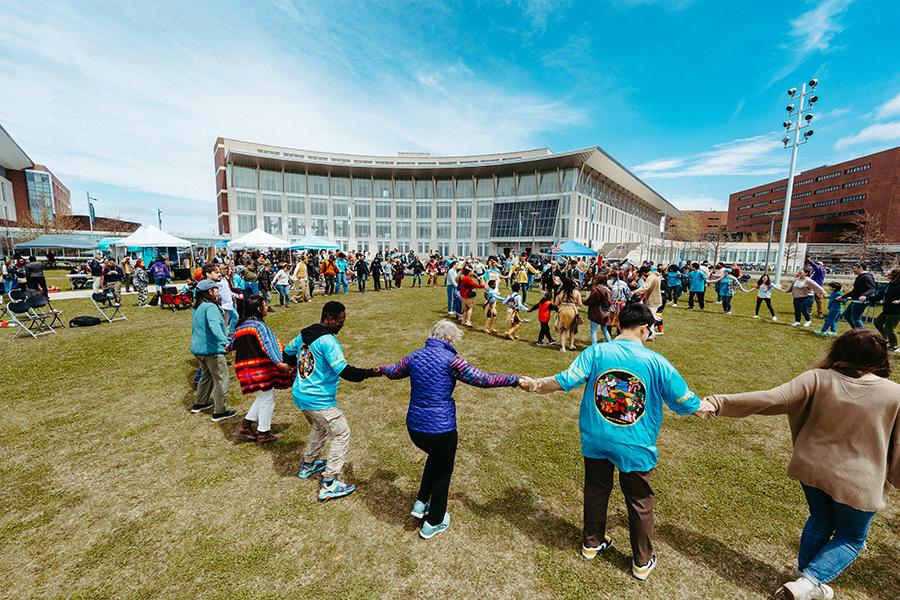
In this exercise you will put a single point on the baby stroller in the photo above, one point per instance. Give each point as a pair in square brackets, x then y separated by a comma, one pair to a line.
[106, 305]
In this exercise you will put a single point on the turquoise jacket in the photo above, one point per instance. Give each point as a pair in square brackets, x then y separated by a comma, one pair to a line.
[208, 335]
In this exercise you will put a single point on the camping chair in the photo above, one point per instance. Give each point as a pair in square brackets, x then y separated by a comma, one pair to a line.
[40, 305]
[109, 310]
[25, 319]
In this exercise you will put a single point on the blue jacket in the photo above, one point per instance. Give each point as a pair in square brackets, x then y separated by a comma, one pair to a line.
[433, 372]
[208, 335]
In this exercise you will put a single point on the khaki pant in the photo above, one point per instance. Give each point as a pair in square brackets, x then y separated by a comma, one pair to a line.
[301, 289]
[819, 305]
[639, 500]
[116, 287]
[213, 384]
[328, 424]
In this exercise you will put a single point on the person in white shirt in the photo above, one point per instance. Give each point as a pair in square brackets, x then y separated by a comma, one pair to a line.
[282, 282]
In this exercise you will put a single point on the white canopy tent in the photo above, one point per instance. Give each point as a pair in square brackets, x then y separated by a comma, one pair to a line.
[258, 240]
[151, 237]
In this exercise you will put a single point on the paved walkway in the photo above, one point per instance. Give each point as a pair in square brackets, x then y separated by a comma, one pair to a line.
[70, 294]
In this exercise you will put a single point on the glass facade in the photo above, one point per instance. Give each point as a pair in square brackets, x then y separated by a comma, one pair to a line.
[40, 194]
[529, 219]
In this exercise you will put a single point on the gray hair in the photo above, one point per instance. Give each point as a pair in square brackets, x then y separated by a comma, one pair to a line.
[447, 331]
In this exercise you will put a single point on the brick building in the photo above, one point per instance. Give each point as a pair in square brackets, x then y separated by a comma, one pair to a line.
[710, 220]
[28, 189]
[826, 200]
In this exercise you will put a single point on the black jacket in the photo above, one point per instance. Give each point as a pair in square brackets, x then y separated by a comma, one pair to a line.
[864, 285]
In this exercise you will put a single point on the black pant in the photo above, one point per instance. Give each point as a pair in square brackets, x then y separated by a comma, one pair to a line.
[639, 500]
[701, 298]
[674, 293]
[726, 303]
[768, 302]
[361, 282]
[886, 324]
[329, 284]
[376, 279]
[441, 451]
[545, 333]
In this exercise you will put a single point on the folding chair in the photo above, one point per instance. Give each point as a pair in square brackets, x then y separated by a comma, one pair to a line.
[26, 320]
[109, 310]
[40, 305]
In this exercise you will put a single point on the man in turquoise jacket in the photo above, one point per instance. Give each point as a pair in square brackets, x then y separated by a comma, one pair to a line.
[620, 419]
[208, 342]
[697, 286]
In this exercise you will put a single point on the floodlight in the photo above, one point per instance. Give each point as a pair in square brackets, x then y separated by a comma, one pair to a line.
[813, 83]
[791, 92]
[808, 117]
[808, 133]
[789, 108]
[813, 100]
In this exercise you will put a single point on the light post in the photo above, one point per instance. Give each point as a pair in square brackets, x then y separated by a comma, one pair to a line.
[159, 217]
[534, 217]
[804, 117]
[769, 245]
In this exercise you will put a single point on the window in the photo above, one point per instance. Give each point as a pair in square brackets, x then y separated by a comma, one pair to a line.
[506, 186]
[295, 183]
[485, 209]
[857, 169]
[246, 223]
[780, 188]
[423, 211]
[320, 227]
[463, 229]
[246, 200]
[801, 195]
[362, 187]
[829, 176]
[763, 203]
[744, 207]
[363, 230]
[382, 209]
[485, 187]
[296, 226]
[856, 183]
[363, 209]
[527, 185]
[854, 198]
[526, 219]
[340, 186]
[568, 179]
[243, 177]
[424, 189]
[549, 182]
[483, 231]
[403, 188]
[825, 203]
[339, 209]
[272, 224]
[318, 207]
[804, 182]
[464, 189]
[423, 231]
[444, 188]
[828, 189]
[270, 181]
[762, 193]
[383, 231]
[745, 196]
[444, 210]
[382, 188]
[318, 184]
[404, 210]
[296, 206]
[443, 231]
[404, 231]
[341, 228]
[463, 209]
[271, 203]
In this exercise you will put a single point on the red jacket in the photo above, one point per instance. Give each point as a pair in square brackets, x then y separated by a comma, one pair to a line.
[466, 285]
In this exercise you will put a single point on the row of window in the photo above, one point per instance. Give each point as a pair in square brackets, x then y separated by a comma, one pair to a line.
[810, 180]
[857, 169]
[851, 184]
[829, 176]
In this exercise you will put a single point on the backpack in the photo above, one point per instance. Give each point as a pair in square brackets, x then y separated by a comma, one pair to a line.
[84, 321]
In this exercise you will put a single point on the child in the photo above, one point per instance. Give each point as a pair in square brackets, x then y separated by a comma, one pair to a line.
[544, 307]
[726, 286]
[513, 306]
[829, 327]
[491, 297]
[764, 294]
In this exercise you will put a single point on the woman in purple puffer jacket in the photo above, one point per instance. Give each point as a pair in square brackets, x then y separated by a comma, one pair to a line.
[431, 420]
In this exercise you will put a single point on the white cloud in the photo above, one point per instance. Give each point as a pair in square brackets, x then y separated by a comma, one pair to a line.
[815, 29]
[890, 108]
[878, 133]
[697, 202]
[97, 98]
[747, 156]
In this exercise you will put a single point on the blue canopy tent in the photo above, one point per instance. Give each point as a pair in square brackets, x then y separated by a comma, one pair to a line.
[312, 242]
[104, 243]
[572, 248]
[57, 242]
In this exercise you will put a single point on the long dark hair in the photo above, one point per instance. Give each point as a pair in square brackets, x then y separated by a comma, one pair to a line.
[252, 309]
[204, 296]
[568, 289]
[765, 276]
[857, 352]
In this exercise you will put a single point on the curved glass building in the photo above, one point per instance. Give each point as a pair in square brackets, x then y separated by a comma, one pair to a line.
[481, 204]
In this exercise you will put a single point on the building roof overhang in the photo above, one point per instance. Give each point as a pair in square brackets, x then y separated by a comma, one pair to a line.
[11, 154]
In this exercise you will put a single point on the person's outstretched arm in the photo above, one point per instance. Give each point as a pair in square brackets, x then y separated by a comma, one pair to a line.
[577, 374]
[398, 370]
[777, 401]
[463, 371]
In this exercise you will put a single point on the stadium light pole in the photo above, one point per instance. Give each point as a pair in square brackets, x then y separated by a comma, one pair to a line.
[803, 119]
[159, 217]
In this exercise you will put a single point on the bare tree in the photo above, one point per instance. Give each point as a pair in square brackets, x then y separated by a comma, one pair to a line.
[866, 235]
[718, 241]
[685, 229]
[45, 222]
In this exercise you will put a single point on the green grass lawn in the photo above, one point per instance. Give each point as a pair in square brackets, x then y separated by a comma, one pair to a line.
[111, 489]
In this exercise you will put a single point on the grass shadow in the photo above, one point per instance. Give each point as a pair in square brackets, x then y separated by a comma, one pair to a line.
[386, 500]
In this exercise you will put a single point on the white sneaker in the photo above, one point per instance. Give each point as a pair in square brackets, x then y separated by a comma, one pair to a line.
[755, 316]
[807, 324]
[675, 304]
[774, 318]
[795, 324]
[643, 572]
[804, 589]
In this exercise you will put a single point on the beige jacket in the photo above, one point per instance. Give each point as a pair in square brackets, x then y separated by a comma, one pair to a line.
[651, 290]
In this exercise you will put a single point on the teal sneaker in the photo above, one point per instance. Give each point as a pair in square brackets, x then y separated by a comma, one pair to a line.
[310, 469]
[419, 509]
[335, 489]
[428, 531]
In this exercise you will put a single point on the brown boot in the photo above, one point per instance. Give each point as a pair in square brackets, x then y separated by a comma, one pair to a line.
[264, 437]
[246, 430]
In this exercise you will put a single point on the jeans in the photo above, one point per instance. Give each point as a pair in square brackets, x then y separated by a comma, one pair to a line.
[231, 316]
[768, 302]
[342, 284]
[833, 536]
[283, 296]
[329, 284]
[251, 288]
[886, 324]
[853, 314]
[262, 409]
[361, 282]
[417, 277]
[603, 328]
[831, 320]
[435, 486]
[802, 308]
[159, 281]
[450, 291]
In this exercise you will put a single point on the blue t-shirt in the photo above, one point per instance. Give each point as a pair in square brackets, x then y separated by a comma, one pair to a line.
[621, 409]
[698, 281]
[319, 368]
[341, 265]
[834, 304]
[673, 278]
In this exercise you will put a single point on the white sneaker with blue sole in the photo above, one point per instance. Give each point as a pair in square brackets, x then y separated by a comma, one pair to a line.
[428, 530]
[419, 509]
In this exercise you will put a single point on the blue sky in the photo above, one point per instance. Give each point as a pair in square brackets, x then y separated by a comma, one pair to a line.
[126, 100]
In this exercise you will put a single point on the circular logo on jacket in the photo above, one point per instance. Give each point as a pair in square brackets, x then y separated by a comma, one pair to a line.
[306, 363]
[620, 397]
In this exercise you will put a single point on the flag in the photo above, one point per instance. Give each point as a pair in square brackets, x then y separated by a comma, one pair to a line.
[349, 214]
[593, 210]
[91, 212]
[520, 224]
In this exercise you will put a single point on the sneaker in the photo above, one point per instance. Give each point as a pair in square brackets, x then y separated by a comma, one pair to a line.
[223, 415]
[309, 469]
[820, 332]
[335, 489]
[591, 553]
[755, 317]
[795, 324]
[245, 430]
[428, 531]
[675, 304]
[728, 313]
[774, 318]
[201, 407]
[804, 589]
[896, 350]
[834, 333]
[264, 437]
[540, 343]
[807, 323]
[643, 572]
[419, 509]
